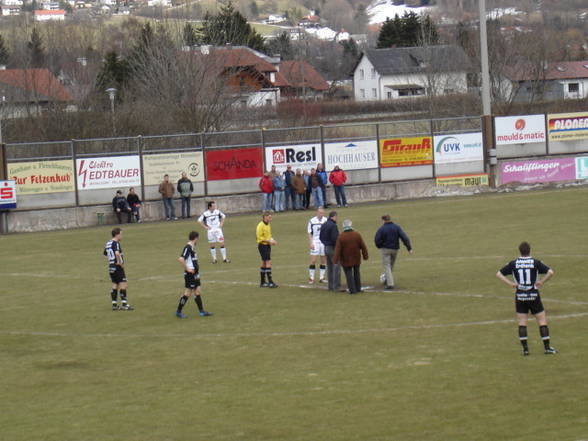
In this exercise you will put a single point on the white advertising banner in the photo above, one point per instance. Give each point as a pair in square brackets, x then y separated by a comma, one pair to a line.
[302, 156]
[355, 155]
[525, 129]
[109, 172]
[458, 148]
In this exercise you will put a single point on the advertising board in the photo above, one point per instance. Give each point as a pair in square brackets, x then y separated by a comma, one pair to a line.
[404, 152]
[458, 148]
[108, 172]
[463, 180]
[173, 164]
[302, 156]
[524, 129]
[42, 176]
[355, 155]
[582, 167]
[7, 195]
[567, 126]
[544, 170]
[234, 163]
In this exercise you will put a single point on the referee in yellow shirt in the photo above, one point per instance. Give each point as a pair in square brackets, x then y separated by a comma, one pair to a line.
[264, 245]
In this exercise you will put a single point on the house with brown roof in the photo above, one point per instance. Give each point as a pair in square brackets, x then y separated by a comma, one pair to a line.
[26, 91]
[554, 81]
[252, 79]
[304, 81]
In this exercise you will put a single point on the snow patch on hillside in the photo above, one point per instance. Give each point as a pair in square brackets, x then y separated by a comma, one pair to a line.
[379, 10]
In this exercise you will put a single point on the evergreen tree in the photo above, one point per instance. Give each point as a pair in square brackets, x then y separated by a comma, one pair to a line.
[350, 56]
[189, 36]
[36, 50]
[230, 27]
[113, 73]
[407, 31]
[281, 45]
[4, 54]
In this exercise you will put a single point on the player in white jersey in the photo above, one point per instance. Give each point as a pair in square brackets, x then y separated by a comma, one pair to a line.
[213, 220]
[316, 246]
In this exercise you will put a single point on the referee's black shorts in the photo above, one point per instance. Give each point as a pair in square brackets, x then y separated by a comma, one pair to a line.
[533, 306]
[265, 251]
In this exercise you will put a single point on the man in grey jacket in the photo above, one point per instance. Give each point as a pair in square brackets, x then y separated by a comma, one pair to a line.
[185, 188]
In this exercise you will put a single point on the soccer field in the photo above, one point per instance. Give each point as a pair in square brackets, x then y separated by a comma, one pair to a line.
[436, 359]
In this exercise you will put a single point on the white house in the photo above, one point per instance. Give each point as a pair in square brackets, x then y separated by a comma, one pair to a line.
[43, 15]
[383, 74]
[10, 10]
[159, 3]
[12, 2]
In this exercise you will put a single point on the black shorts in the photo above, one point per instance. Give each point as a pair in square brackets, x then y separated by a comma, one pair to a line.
[265, 251]
[532, 306]
[117, 274]
[191, 281]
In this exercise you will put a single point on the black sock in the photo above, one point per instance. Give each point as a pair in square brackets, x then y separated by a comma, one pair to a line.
[544, 331]
[198, 301]
[114, 295]
[183, 301]
[262, 274]
[123, 296]
[523, 337]
[268, 272]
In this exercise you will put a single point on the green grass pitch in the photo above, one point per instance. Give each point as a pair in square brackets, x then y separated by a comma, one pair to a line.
[437, 359]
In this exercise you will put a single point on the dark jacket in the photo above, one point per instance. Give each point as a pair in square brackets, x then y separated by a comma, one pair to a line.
[133, 199]
[349, 249]
[388, 234]
[185, 187]
[329, 233]
[289, 176]
[120, 202]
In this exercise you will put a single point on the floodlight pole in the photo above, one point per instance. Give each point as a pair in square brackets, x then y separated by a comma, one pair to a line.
[112, 95]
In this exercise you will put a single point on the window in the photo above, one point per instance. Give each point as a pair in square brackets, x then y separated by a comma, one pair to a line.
[373, 73]
[361, 74]
[389, 95]
[574, 87]
[374, 93]
[268, 102]
[362, 93]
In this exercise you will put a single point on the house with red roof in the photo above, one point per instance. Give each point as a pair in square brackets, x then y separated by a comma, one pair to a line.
[26, 91]
[553, 81]
[304, 80]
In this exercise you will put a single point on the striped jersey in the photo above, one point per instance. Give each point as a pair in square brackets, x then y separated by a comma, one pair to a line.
[314, 227]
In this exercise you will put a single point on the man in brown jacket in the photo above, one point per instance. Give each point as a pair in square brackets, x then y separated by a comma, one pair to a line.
[349, 250]
[299, 190]
[167, 190]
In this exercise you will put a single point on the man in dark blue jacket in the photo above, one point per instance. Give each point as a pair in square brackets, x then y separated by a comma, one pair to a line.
[387, 240]
[328, 236]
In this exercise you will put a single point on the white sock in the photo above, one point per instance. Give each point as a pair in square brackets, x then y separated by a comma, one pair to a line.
[224, 253]
[311, 273]
[213, 253]
[322, 272]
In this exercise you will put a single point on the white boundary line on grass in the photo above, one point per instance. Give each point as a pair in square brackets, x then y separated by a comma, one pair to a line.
[282, 333]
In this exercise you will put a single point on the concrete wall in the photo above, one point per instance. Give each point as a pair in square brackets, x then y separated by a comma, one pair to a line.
[77, 217]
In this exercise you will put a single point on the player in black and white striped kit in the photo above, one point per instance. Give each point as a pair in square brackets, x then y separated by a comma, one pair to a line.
[189, 261]
[116, 270]
[525, 271]
[213, 220]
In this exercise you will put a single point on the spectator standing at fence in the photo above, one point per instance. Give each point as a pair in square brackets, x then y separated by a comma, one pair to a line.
[317, 193]
[185, 189]
[387, 240]
[273, 172]
[320, 170]
[120, 206]
[328, 236]
[166, 189]
[267, 189]
[289, 192]
[299, 189]
[134, 203]
[348, 253]
[279, 187]
[308, 187]
[338, 179]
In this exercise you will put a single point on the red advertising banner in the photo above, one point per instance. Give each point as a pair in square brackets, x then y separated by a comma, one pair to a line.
[234, 163]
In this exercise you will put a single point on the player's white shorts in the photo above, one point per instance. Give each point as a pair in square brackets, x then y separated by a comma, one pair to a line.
[215, 235]
[319, 249]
